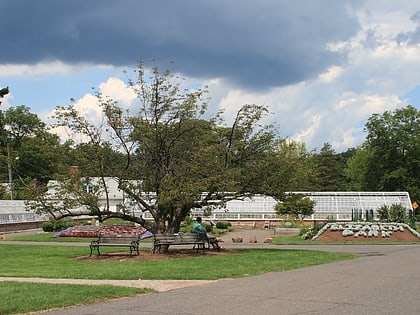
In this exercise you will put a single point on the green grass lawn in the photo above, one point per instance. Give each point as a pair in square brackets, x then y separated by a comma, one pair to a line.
[19, 297]
[55, 261]
[64, 262]
[45, 237]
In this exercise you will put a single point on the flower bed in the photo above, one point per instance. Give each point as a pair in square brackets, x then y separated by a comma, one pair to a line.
[360, 231]
[94, 231]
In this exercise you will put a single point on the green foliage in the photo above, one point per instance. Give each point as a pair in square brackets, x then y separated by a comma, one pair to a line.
[329, 170]
[168, 154]
[48, 226]
[295, 205]
[223, 225]
[309, 232]
[188, 220]
[393, 160]
[288, 168]
[207, 226]
[394, 213]
[57, 225]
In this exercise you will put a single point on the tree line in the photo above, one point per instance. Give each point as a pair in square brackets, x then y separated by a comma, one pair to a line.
[168, 156]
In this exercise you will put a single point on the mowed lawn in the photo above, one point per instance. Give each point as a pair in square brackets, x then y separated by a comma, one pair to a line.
[55, 261]
[64, 262]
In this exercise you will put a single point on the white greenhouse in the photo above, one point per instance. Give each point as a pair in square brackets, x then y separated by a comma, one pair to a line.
[328, 205]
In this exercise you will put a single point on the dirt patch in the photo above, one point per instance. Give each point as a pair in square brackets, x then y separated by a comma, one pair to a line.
[148, 255]
[336, 236]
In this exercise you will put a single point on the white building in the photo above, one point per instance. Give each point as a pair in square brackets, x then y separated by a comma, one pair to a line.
[328, 205]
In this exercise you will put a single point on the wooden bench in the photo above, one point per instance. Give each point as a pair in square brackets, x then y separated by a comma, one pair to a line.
[125, 240]
[198, 240]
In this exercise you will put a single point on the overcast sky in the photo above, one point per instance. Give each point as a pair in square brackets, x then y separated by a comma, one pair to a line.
[323, 67]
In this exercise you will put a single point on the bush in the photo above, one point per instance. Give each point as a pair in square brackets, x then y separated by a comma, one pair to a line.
[207, 226]
[394, 213]
[307, 233]
[223, 225]
[48, 226]
[56, 225]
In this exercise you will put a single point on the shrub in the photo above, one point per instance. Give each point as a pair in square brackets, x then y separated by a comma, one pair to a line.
[398, 214]
[207, 226]
[223, 225]
[57, 225]
[307, 233]
[60, 225]
[185, 229]
[394, 213]
[48, 226]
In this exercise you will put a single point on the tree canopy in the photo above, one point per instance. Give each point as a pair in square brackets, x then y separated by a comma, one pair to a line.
[168, 155]
[171, 158]
[392, 160]
[296, 205]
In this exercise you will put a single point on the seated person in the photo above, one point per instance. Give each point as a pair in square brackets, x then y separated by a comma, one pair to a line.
[199, 228]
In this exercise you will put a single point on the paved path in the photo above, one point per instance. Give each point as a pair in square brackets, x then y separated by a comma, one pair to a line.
[384, 280]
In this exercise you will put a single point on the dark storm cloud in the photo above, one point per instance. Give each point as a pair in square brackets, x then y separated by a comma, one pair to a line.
[253, 43]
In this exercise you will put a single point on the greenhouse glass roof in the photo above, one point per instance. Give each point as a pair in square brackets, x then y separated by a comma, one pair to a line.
[348, 201]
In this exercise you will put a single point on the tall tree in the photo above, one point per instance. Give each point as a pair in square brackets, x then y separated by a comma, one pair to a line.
[329, 171]
[174, 160]
[356, 170]
[288, 169]
[27, 148]
[393, 140]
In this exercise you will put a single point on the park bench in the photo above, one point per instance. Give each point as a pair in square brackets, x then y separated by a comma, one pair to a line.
[120, 240]
[198, 240]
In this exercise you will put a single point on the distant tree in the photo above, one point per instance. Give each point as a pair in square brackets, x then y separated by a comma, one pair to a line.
[356, 170]
[295, 205]
[174, 160]
[394, 146]
[288, 169]
[328, 170]
[28, 150]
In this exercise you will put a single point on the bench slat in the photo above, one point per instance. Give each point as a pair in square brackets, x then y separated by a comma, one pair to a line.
[195, 239]
[131, 241]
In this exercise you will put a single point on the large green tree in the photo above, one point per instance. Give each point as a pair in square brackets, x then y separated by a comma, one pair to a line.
[174, 159]
[288, 168]
[28, 150]
[393, 144]
[356, 169]
[328, 170]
